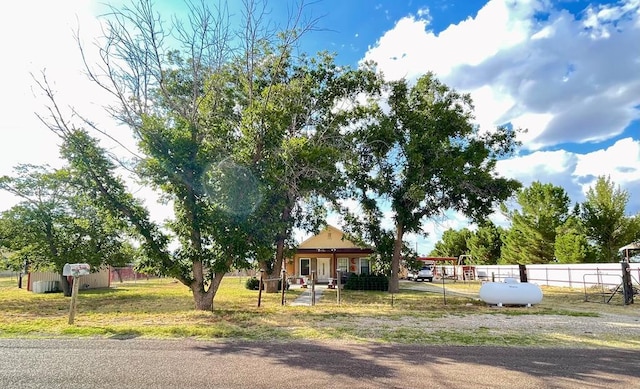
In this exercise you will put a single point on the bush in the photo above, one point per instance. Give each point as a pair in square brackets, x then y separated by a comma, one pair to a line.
[253, 283]
[367, 282]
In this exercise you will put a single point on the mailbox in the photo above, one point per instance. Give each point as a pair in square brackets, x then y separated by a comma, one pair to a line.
[76, 269]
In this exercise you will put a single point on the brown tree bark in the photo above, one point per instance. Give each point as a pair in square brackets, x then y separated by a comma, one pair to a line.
[272, 286]
[203, 297]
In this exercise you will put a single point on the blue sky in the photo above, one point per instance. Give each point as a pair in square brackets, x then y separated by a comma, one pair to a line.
[568, 71]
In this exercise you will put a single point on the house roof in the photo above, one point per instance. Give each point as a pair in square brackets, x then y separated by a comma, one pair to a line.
[352, 250]
[330, 239]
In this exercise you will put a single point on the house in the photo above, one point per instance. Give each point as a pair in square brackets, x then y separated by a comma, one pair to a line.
[327, 253]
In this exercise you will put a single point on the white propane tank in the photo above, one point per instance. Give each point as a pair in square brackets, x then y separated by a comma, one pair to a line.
[510, 292]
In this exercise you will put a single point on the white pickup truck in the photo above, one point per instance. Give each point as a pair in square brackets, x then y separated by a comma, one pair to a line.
[426, 273]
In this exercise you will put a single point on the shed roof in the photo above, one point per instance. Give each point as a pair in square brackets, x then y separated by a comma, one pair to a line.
[630, 246]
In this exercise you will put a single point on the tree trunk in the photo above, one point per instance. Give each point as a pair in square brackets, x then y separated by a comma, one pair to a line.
[203, 300]
[272, 286]
[117, 270]
[394, 284]
[202, 297]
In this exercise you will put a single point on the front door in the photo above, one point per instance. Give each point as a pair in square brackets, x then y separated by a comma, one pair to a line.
[323, 270]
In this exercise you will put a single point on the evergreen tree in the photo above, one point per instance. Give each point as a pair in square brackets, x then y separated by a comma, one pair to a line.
[485, 244]
[452, 244]
[571, 244]
[603, 216]
[531, 238]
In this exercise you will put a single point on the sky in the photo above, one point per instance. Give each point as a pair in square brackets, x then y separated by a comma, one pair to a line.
[567, 71]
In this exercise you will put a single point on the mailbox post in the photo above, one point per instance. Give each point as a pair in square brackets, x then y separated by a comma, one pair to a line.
[627, 283]
[75, 270]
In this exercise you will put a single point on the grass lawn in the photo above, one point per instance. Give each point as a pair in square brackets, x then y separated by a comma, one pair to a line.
[164, 309]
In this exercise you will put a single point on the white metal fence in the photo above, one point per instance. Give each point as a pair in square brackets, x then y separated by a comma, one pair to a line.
[572, 276]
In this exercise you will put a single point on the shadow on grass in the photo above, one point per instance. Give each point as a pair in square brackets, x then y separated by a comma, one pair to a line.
[126, 335]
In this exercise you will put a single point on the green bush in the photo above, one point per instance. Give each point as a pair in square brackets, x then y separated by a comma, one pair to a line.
[253, 284]
[367, 282]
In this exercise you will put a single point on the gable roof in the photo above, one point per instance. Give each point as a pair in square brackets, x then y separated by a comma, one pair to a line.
[329, 238]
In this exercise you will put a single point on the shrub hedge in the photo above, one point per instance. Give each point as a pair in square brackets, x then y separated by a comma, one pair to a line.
[367, 282]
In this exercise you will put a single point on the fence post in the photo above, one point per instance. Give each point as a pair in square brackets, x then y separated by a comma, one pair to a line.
[313, 287]
[283, 285]
[260, 286]
[627, 285]
[546, 274]
[569, 271]
[523, 273]
[338, 285]
[74, 299]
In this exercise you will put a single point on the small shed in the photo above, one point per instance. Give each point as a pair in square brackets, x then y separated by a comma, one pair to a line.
[630, 252]
[41, 282]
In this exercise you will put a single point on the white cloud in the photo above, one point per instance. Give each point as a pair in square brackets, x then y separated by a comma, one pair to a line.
[530, 167]
[577, 172]
[409, 49]
[561, 77]
[35, 36]
[621, 162]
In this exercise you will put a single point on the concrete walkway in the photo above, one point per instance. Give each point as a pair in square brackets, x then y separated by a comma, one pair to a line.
[305, 297]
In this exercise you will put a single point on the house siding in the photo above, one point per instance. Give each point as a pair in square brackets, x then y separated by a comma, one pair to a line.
[330, 245]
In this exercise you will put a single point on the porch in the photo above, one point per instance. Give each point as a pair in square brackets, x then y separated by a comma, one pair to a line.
[325, 255]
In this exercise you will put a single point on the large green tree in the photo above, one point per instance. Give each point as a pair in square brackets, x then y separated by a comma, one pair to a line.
[485, 244]
[291, 138]
[57, 222]
[453, 243]
[531, 238]
[235, 132]
[423, 155]
[572, 245]
[604, 218]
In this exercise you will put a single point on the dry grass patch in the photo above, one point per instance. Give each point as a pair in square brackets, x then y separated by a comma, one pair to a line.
[164, 308]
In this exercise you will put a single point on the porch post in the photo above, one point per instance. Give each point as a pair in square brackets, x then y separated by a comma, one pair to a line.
[334, 266]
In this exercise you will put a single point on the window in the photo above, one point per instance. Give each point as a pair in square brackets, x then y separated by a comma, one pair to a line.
[364, 266]
[304, 266]
[343, 264]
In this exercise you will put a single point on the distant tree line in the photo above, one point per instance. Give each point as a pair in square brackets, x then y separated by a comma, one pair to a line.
[545, 229]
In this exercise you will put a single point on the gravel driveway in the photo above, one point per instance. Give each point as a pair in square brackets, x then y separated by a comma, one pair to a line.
[610, 324]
